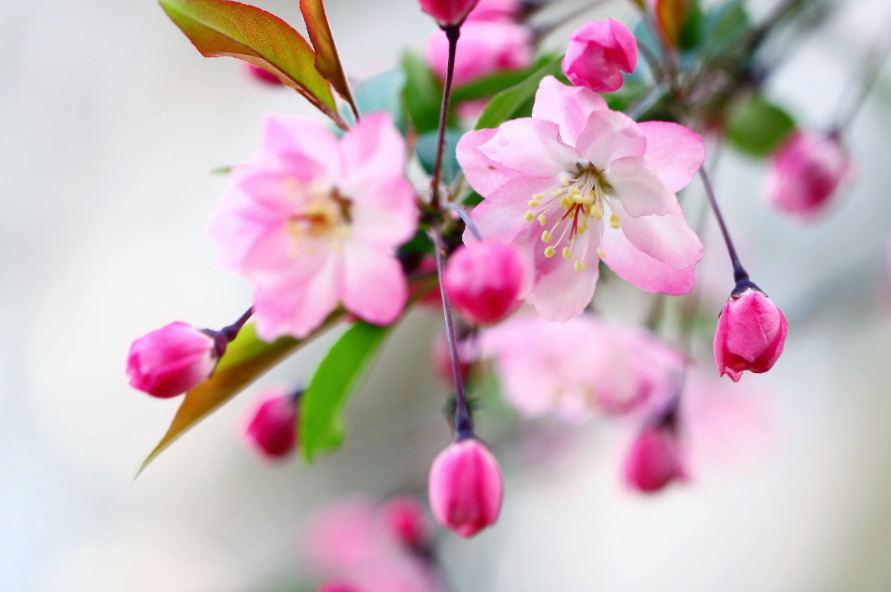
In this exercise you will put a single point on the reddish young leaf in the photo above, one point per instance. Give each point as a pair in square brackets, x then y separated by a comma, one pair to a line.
[224, 28]
[327, 60]
[671, 15]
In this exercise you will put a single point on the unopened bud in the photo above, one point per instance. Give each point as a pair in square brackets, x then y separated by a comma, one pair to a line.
[406, 519]
[448, 12]
[654, 460]
[598, 53]
[751, 334]
[171, 360]
[484, 279]
[270, 425]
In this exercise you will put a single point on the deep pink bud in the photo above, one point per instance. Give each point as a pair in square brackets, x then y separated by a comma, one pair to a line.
[171, 360]
[750, 336]
[270, 424]
[406, 518]
[807, 170]
[263, 76]
[448, 12]
[465, 487]
[597, 55]
[338, 587]
[483, 280]
[654, 460]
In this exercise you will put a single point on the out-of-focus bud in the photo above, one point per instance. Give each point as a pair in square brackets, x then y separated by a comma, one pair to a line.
[465, 487]
[448, 12]
[270, 424]
[806, 172]
[484, 48]
[497, 10]
[441, 361]
[597, 55]
[261, 75]
[338, 587]
[751, 333]
[407, 520]
[483, 280]
[654, 460]
[171, 360]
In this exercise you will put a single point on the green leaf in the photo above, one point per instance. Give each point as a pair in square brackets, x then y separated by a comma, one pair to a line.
[517, 101]
[338, 376]
[245, 360]
[725, 25]
[223, 28]
[383, 92]
[758, 127]
[671, 16]
[494, 84]
[422, 93]
[426, 150]
[691, 32]
[327, 60]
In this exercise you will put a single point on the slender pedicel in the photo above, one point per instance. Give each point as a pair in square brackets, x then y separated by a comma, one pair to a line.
[452, 32]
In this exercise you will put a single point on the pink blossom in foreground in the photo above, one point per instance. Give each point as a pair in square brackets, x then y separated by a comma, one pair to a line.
[806, 173]
[750, 336]
[270, 424]
[654, 460]
[261, 75]
[597, 55]
[465, 487]
[577, 183]
[171, 360]
[313, 222]
[448, 12]
[483, 280]
[576, 368]
[485, 47]
[407, 519]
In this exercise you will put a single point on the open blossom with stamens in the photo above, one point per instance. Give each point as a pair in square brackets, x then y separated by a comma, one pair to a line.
[312, 222]
[577, 183]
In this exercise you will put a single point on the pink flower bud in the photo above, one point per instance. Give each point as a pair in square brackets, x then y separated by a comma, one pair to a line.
[465, 487]
[807, 170]
[406, 519]
[261, 75]
[483, 280]
[338, 587]
[654, 460]
[448, 12]
[171, 360]
[270, 425]
[598, 53]
[751, 334]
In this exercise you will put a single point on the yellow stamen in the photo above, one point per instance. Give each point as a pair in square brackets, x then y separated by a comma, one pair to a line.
[579, 266]
[600, 252]
[567, 253]
[533, 203]
[614, 221]
[546, 236]
[529, 216]
[550, 251]
[538, 196]
[542, 219]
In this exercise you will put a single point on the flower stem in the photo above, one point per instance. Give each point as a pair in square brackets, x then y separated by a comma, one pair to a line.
[231, 332]
[452, 32]
[466, 218]
[739, 272]
[463, 422]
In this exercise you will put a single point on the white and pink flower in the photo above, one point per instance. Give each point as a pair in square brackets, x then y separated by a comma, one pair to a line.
[577, 183]
[313, 222]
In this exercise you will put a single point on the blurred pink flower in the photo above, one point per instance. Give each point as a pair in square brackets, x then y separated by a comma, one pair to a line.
[579, 367]
[448, 12]
[407, 519]
[483, 280]
[497, 10]
[485, 47]
[806, 172]
[597, 55]
[750, 336]
[602, 187]
[465, 487]
[654, 460]
[171, 360]
[269, 425]
[261, 75]
[313, 222]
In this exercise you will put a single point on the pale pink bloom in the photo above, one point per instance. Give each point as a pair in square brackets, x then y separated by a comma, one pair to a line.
[483, 280]
[750, 336]
[261, 75]
[576, 368]
[485, 47]
[171, 360]
[313, 222]
[597, 55]
[407, 519]
[465, 487]
[577, 183]
[654, 460]
[269, 425]
[806, 173]
[448, 12]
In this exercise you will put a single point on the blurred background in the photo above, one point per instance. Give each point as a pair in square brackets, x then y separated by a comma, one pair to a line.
[110, 123]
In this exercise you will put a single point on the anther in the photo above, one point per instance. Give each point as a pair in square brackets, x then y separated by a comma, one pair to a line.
[533, 203]
[567, 253]
[579, 266]
[600, 252]
[546, 236]
[529, 216]
[550, 251]
[542, 219]
[614, 221]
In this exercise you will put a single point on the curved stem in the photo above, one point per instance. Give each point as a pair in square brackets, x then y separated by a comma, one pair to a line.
[466, 218]
[452, 32]
[231, 332]
[739, 272]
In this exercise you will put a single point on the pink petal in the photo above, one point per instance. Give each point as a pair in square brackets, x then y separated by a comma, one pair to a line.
[638, 189]
[375, 288]
[610, 135]
[532, 147]
[291, 136]
[567, 106]
[665, 238]
[502, 214]
[387, 216]
[643, 271]
[484, 174]
[373, 150]
[674, 153]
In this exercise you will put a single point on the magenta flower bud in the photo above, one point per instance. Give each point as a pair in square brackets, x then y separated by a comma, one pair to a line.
[465, 487]
[338, 587]
[654, 460]
[751, 333]
[171, 360]
[483, 280]
[448, 12]
[270, 424]
[598, 53]
[807, 171]
[261, 75]
[407, 520]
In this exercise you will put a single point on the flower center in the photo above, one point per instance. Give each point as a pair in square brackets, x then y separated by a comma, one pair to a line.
[582, 197]
[319, 212]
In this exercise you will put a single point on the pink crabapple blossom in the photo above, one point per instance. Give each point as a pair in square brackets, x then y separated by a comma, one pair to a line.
[654, 460]
[806, 172]
[448, 12]
[171, 360]
[313, 222]
[751, 334]
[483, 280]
[577, 183]
[465, 487]
[485, 47]
[269, 425]
[598, 53]
[407, 519]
